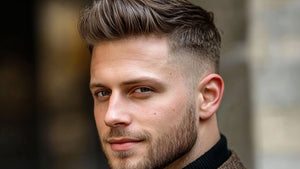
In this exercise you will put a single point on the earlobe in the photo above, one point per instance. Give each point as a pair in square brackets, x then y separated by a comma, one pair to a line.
[210, 90]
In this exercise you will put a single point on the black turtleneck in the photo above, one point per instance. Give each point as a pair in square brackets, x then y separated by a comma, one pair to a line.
[213, 158]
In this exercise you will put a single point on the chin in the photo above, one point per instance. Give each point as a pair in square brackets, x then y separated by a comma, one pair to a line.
[133, 161]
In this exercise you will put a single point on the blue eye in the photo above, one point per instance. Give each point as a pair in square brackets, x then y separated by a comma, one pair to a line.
[103, 93]
[143, 90]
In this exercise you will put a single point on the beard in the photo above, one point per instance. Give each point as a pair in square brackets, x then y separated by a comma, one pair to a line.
[162, 151]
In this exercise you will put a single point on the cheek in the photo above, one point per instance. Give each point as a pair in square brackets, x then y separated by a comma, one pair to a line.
[165, 113]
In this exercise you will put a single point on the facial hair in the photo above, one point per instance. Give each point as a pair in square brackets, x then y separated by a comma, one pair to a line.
[162, 151]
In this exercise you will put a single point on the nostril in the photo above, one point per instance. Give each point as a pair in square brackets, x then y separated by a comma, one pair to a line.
[116, 124]
[120, 124]
[117, 119]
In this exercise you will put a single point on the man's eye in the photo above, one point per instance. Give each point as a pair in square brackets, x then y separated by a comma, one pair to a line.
[142, 90]
[103, 93]
[142, 93]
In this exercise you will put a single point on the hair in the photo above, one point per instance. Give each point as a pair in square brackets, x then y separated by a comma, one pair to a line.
[189, 28]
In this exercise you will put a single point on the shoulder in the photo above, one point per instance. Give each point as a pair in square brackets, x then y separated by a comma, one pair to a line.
[233, 162]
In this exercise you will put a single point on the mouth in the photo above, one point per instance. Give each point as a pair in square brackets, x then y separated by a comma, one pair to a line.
[123, 144]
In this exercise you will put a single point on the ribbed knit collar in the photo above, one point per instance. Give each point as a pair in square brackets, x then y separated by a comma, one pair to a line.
[213, 158]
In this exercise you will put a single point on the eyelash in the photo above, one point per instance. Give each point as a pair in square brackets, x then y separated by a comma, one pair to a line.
[141, 88]
[99, 92]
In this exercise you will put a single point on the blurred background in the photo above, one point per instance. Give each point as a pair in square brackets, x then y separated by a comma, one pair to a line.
[46, 116]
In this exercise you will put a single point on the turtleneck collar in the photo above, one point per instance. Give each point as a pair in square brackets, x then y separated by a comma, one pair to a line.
[213, 158]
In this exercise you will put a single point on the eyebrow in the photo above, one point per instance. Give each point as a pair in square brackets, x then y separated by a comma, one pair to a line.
[93, 85]
[130, 82]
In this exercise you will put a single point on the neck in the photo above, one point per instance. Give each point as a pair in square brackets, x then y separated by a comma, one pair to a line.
[208, 136]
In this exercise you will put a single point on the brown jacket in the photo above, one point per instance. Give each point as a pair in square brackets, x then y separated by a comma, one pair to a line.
[232, 163]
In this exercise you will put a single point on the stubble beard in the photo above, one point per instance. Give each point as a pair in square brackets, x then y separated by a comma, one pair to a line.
[167, 148]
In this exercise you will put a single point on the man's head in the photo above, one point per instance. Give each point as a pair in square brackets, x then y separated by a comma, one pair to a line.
[153, 80]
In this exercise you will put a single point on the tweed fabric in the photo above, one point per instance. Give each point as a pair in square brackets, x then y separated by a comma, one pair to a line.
[232, 163]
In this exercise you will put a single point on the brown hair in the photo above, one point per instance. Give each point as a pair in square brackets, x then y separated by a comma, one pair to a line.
[189, 27]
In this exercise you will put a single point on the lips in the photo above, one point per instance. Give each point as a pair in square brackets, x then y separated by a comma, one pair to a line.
[123, 144]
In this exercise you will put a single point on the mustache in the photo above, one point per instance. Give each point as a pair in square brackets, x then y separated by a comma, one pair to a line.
[121, 132]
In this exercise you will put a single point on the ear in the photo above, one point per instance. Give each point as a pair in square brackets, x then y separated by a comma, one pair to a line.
[210, 94]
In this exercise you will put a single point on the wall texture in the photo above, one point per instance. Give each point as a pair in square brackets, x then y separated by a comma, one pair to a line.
[274, 52]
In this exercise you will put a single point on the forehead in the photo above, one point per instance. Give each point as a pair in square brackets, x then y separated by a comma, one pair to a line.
[131, 57]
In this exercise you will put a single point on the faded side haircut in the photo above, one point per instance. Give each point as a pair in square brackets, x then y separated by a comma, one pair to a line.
[189, 28]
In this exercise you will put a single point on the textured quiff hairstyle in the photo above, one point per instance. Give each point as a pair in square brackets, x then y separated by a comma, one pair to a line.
[189, 28]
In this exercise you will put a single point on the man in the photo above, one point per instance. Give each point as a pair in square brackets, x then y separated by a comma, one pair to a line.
[155, 83]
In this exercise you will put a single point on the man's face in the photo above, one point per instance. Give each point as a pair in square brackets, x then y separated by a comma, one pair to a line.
[144, 117]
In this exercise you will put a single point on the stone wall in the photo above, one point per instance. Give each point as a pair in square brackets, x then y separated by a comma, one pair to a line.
[274, 52]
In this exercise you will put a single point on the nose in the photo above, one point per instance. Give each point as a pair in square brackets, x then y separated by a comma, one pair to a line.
[117, 113]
